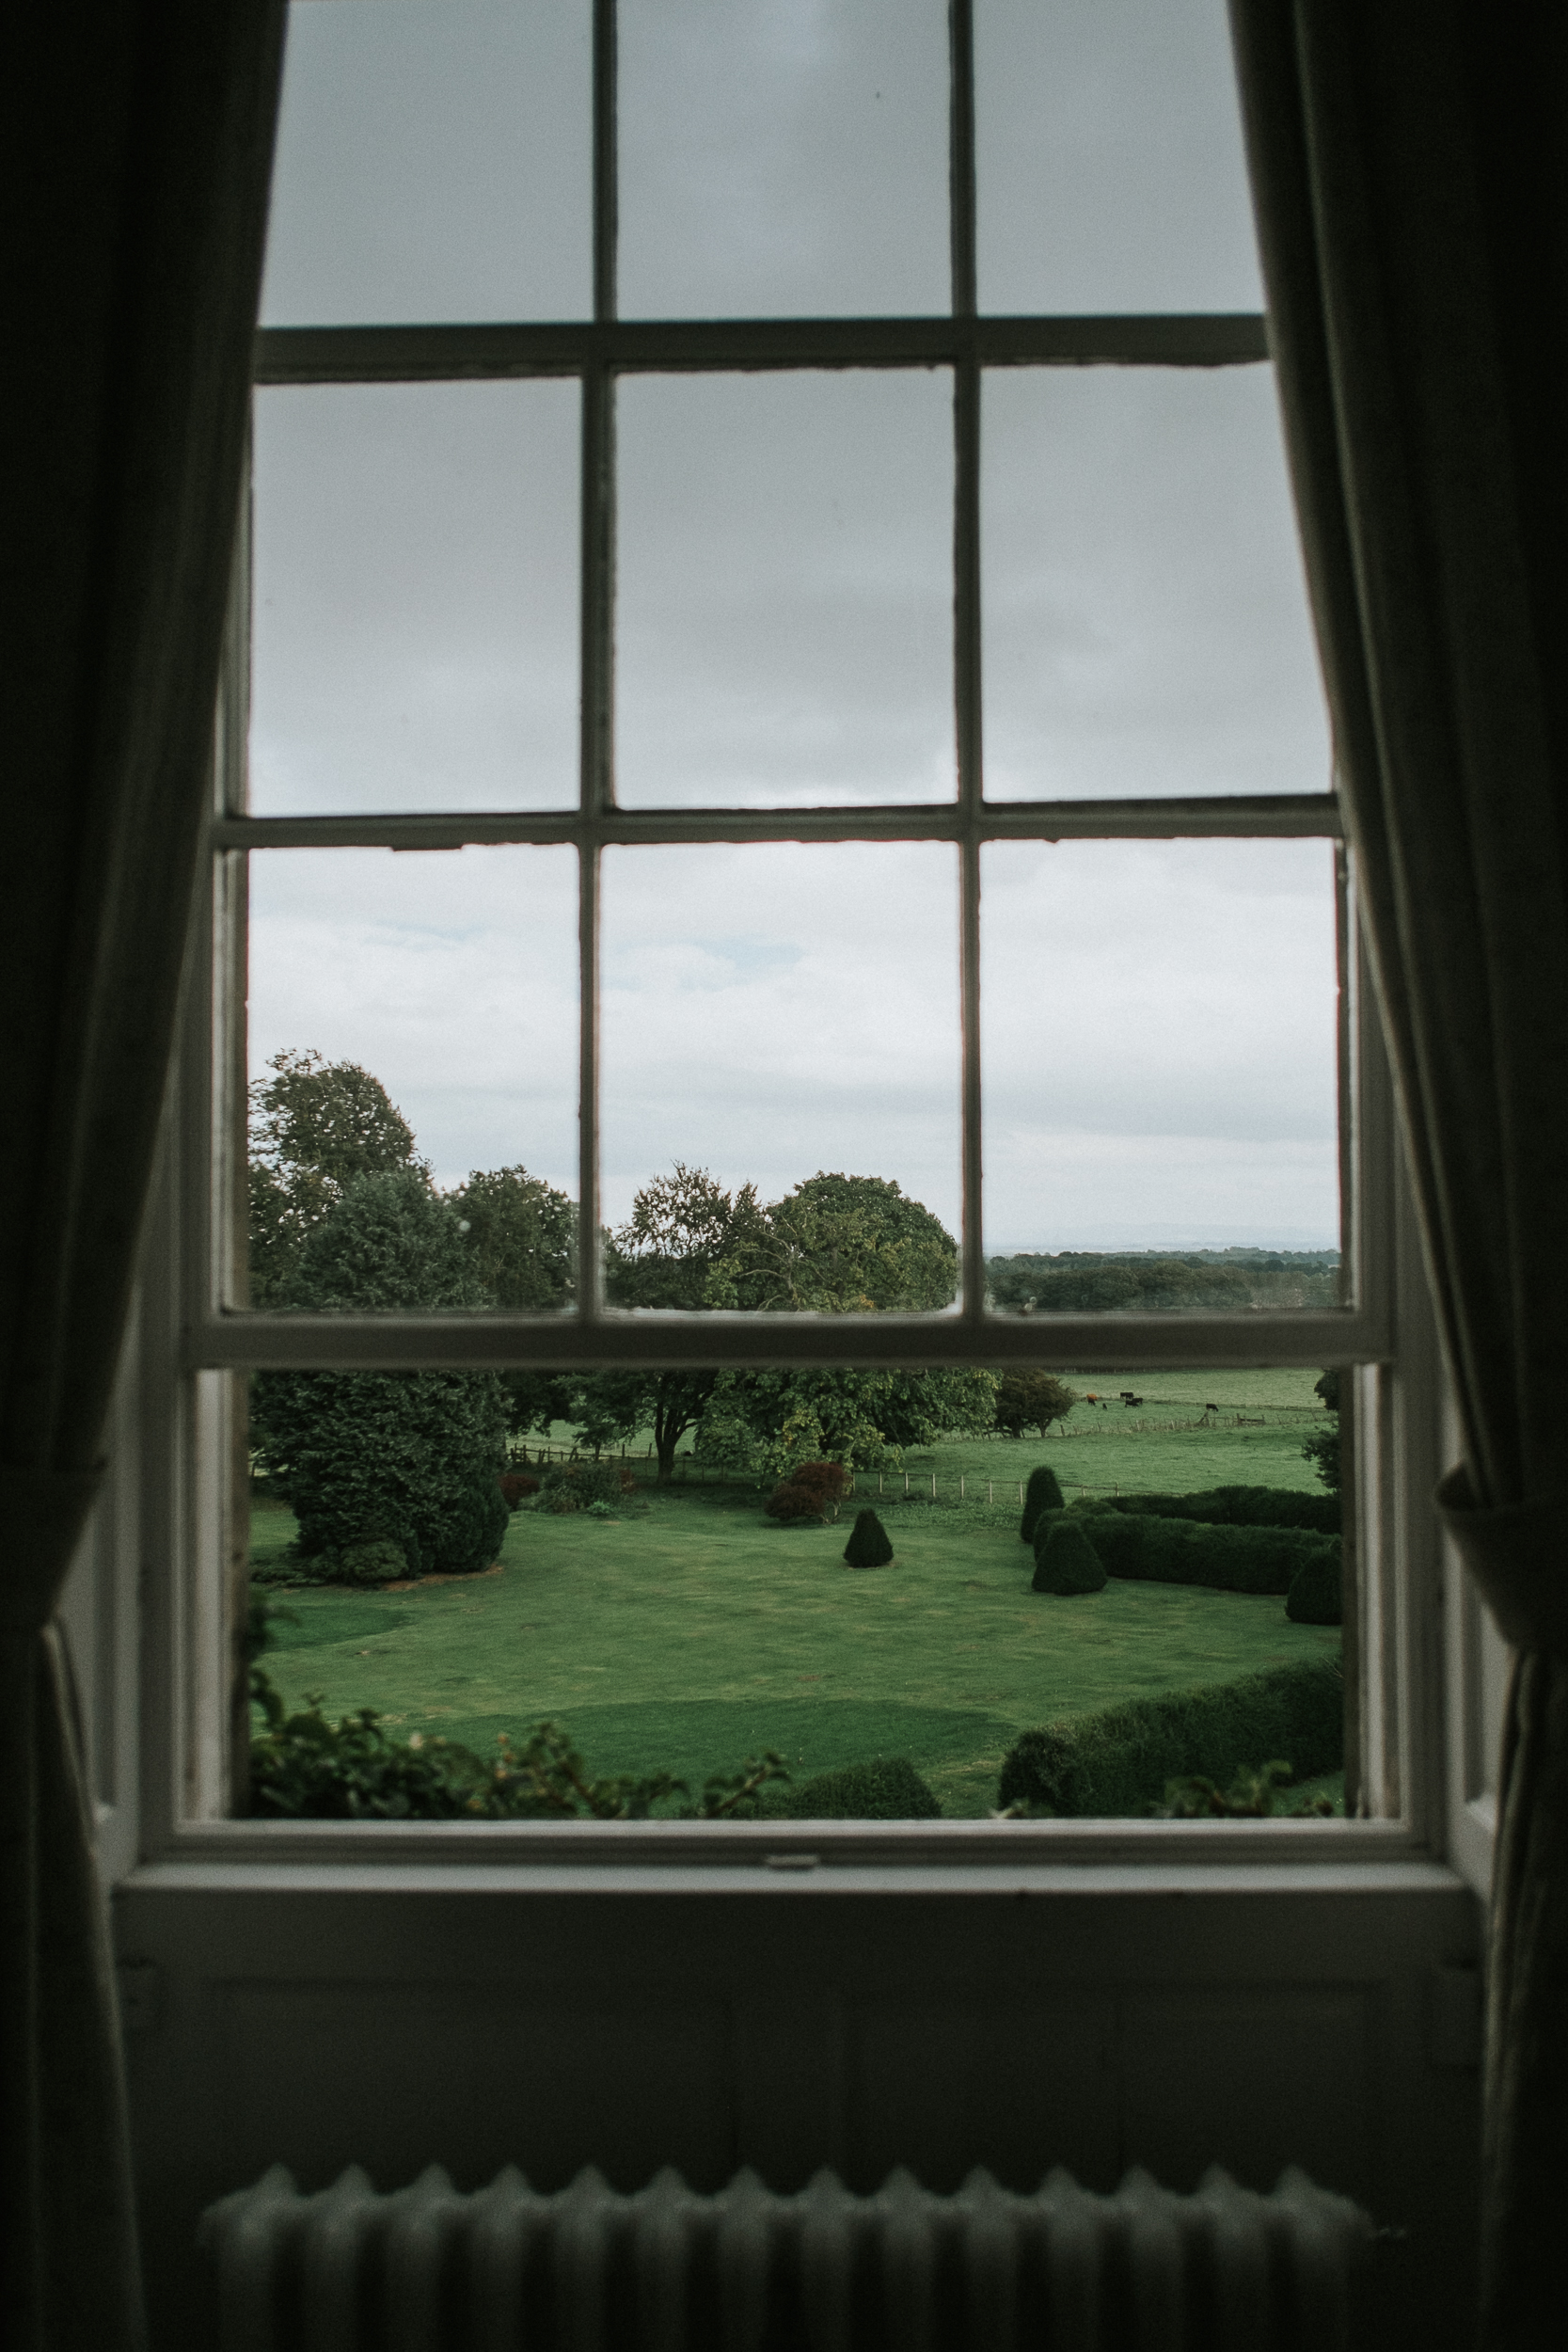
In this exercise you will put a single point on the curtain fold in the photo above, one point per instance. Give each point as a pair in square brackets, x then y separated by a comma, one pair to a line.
[1410, 174]
[135, 156]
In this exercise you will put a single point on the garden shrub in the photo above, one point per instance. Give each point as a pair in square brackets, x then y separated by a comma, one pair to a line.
[375, 1458]
[1233, 1506]
[573, 1485]
[887, 1790]
[792, 1505]
[372, 1458]
[1065, 1560]
[307, 1769]
[1119, 1761]
[378, 1562]
[517, 1487]
[1254, 1795]
[869, 1545]
[1315, 1597]
[1043, 1493]
[1185, 1551]
[812, 1490]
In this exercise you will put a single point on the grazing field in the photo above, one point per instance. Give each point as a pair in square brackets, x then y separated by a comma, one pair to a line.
[693, 1630]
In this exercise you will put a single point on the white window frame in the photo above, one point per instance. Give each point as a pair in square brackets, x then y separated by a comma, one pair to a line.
[1414, 1663]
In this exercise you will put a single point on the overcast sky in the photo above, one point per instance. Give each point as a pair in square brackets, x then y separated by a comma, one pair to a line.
[1158, 1018]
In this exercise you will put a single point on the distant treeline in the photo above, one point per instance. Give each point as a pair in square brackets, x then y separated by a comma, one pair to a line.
[1086, 1281]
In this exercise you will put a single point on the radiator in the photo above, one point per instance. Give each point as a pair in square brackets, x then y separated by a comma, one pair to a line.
[426, 2269]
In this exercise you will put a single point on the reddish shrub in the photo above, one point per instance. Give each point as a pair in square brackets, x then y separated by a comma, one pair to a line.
[515, 1486]
[791, 1503]
[830, 1480]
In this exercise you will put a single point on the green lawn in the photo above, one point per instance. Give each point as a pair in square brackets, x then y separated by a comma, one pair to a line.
[694, 1630]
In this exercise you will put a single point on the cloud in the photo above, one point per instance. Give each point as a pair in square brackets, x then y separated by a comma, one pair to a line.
[1158, 1018]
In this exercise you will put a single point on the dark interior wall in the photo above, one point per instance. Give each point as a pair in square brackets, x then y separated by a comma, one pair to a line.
[790, 2025]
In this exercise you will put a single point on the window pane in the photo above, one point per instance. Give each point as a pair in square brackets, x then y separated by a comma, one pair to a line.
[439, 992]
[1160, 1025]
[773, 1012]
[1109, 160]
[1146, 631]
[783, 599]
[785, 157]
[415, 634]
[434, 162]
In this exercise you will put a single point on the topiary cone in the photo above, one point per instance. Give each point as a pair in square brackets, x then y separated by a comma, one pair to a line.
[1315, 1596]
[1043, 1493]
[868, 1545]
[1065, 1561]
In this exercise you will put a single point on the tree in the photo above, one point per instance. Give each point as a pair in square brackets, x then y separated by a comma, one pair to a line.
[838, 1245]
[388, 1473]
[1321, 1449]
[684, 1245]
[1032, 1399]
[843, 1244]
[772, 1420]
[315, 1127]
[522, 1238]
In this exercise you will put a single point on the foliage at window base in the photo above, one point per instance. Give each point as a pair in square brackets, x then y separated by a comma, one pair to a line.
[1066, 1562]
[302, 1768]
[1116, 1763]
[1253, 1795]
[887, 1790]
[1234, 1506]
[1187, 1552]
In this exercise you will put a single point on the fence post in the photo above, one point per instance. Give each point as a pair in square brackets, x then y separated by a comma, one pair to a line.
[990, 1490]
[933, 1485]
[960, 1486]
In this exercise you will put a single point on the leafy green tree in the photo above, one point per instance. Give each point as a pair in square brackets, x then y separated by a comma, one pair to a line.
[522, 1237]
[1032, 1399]
[1321, 1449]
[315, 1127]
[388, 1473]
[773, 1420]
[684, 1244]
[845, 1245]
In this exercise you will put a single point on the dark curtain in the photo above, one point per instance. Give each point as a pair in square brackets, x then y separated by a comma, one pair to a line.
[1410, 166]
[134, 157]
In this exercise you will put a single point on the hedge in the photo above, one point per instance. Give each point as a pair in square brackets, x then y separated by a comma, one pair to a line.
[870, 1545]
[1066, 1562]
[1181, 1551]
[887, 1790]
[1042, 1494]
[1235, 1506]
[1117, 1763]
[1316, 1597]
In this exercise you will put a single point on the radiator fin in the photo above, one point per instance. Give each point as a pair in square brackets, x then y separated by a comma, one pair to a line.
[509, 2268]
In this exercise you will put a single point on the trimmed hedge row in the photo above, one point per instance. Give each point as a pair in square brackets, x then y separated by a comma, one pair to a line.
[1235, 1506]
[887, 1790]
[1185, 1551]
[1116, 1763]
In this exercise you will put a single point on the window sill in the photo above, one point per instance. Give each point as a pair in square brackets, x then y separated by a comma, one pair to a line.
[831, 1857]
